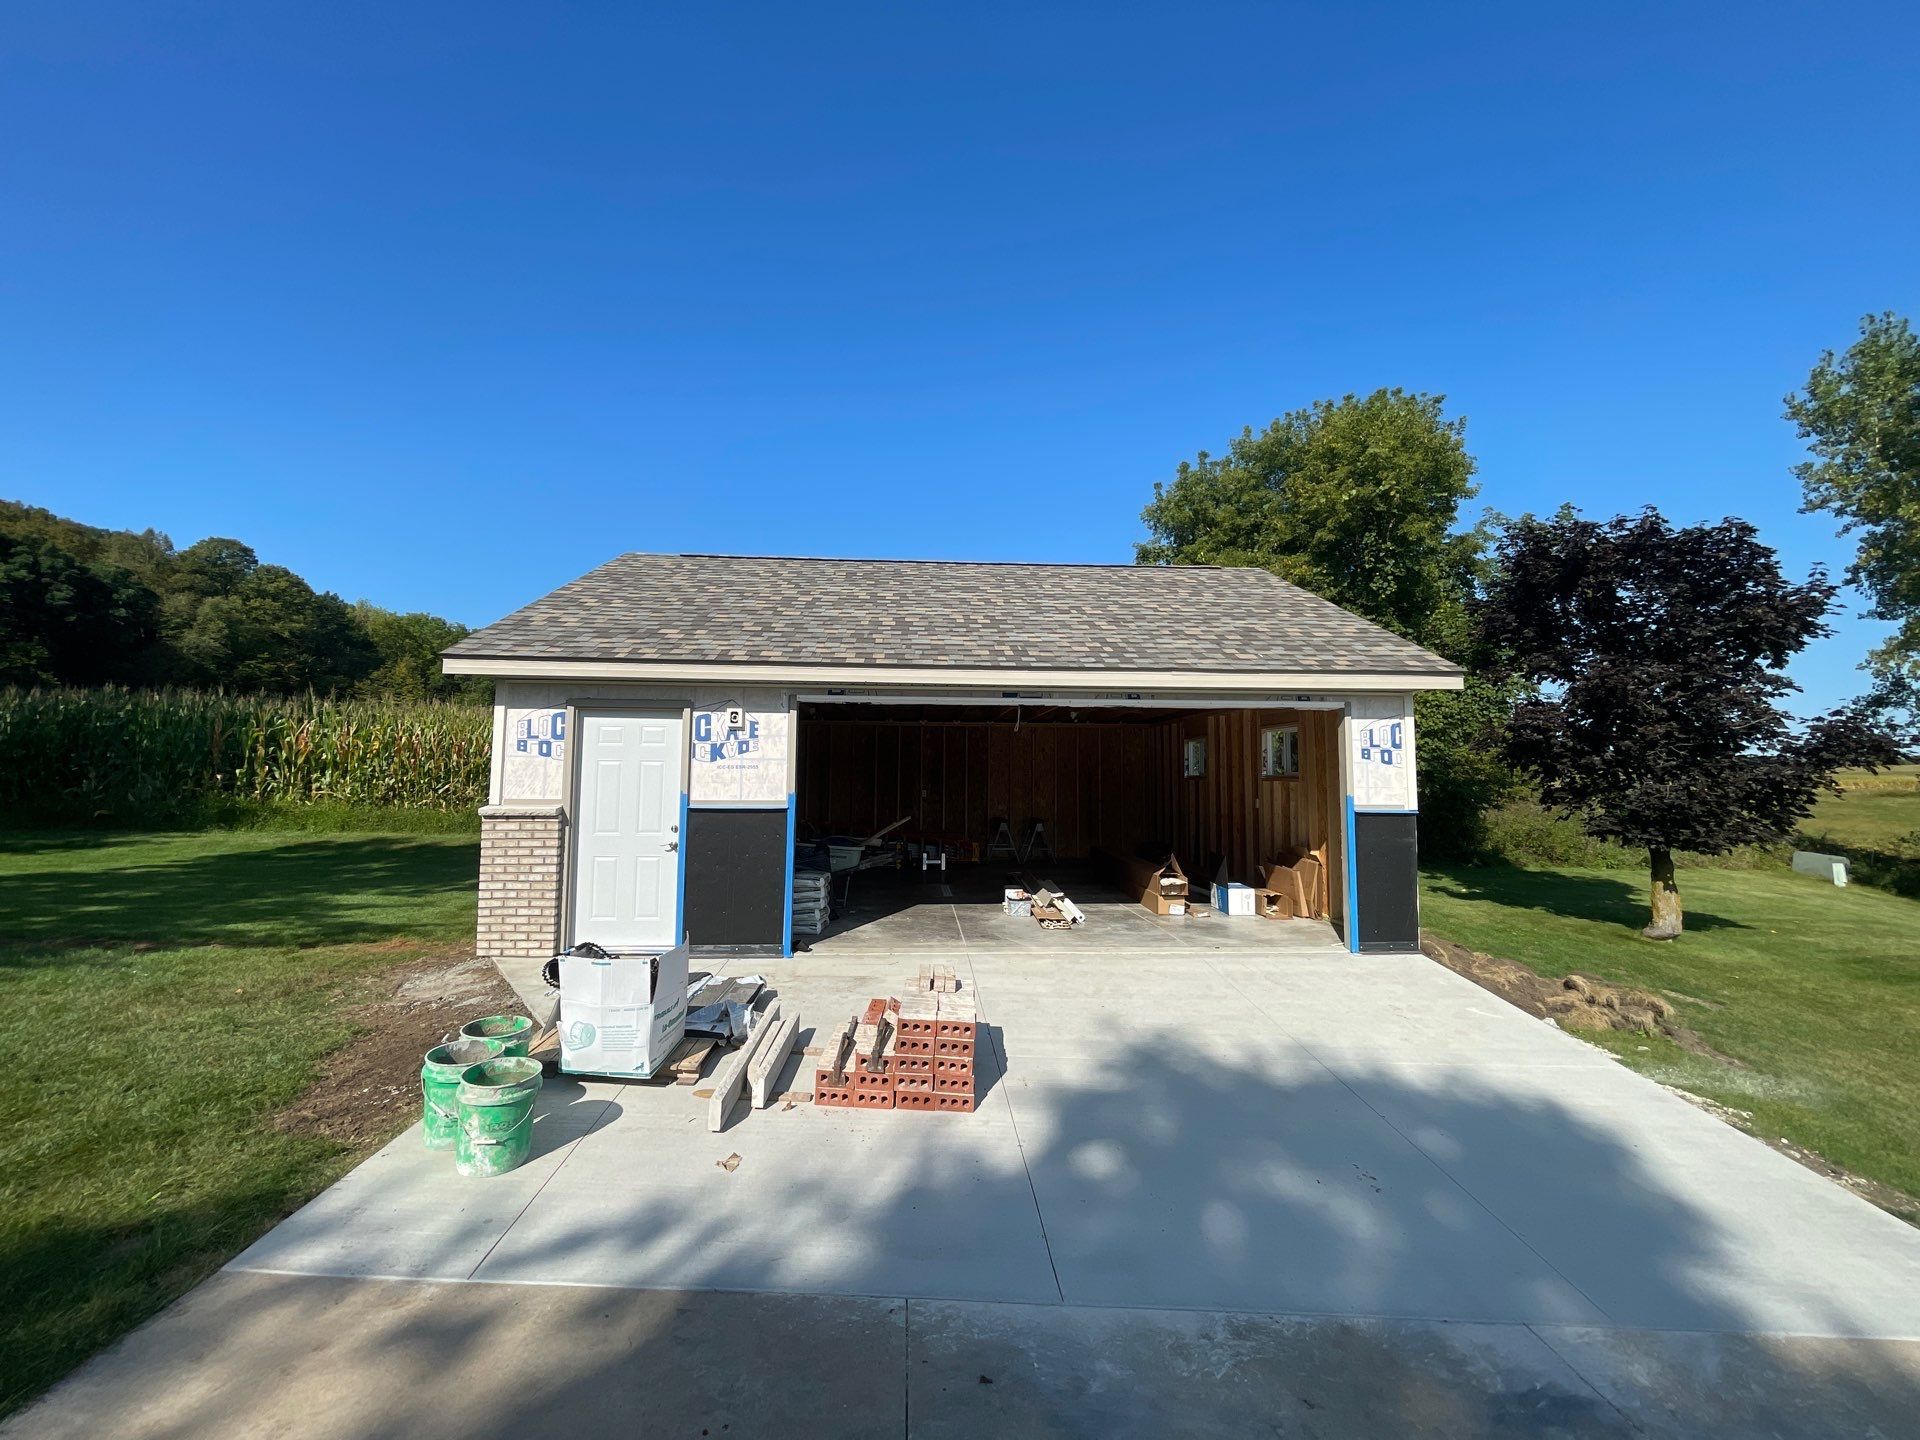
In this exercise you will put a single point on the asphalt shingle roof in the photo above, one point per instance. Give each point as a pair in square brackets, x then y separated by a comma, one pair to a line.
[784, 610]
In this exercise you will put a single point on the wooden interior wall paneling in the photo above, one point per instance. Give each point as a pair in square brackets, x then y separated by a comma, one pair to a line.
[1096, 784]
[1336, 819]
[1065, 829]
[1216, 811]
[926, 799]
[1250, 822]
[978, 807]
[1043, 795]
[1089, 782]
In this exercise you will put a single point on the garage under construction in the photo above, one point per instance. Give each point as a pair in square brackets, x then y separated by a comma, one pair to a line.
[686, 746]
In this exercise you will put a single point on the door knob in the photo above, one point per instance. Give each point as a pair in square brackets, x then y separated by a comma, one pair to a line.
[672, 845]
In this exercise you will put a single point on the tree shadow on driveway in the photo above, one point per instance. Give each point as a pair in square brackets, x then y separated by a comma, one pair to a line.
[1228, 1243]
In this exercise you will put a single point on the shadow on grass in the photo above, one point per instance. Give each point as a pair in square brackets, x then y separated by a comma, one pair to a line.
[54, 842]
[1887, 870]
[1600, 898]
[305, 892]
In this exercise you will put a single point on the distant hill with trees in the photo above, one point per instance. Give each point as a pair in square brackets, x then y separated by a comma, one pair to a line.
[81, 605]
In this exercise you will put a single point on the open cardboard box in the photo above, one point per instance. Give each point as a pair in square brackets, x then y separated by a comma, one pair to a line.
[1158, 885]
[1297, 879]
[623, 1014]
[1272, 904]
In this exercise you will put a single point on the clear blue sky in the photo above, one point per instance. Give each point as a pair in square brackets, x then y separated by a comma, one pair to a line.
[441, 305]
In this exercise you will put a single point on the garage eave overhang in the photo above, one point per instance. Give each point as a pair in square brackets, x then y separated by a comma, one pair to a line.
[815, 677]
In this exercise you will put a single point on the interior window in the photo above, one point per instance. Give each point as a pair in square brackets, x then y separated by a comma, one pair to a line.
[1196, 756]
[1280, 752]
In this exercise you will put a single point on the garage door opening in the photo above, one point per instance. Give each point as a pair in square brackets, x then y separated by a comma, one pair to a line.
[1068, 787]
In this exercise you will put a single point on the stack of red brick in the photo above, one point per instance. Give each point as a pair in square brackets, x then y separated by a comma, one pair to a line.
[912, 1054]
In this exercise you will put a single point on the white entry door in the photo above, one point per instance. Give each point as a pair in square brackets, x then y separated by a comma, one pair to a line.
[626, 835]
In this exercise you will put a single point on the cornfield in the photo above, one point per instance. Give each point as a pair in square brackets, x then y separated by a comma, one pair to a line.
[92, 755]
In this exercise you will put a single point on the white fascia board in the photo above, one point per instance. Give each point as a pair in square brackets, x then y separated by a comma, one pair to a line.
[1084, 699]
[814, 678]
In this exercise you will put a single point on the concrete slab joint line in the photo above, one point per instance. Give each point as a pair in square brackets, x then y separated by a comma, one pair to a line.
[1000, 1061]
[1358, 1166]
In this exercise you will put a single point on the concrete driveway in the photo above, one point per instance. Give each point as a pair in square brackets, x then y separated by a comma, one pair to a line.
[1206, 1174]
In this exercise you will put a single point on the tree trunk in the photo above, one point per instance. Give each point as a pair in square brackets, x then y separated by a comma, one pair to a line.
[1666, 898]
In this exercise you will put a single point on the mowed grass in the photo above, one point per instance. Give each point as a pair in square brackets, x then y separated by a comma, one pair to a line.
[1872, 812]
[161, 998]
[1816, 989]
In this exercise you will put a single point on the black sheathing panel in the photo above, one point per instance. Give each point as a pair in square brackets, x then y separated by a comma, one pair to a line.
[736, 877]
[1387, 876]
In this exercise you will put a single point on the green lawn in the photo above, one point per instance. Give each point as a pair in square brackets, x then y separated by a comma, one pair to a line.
[163, 996]
[1873, 812]
[1816, 989]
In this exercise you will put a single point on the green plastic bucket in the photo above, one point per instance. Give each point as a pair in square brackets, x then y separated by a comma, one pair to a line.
[440, 1076]
[514, 1032]
[495, 1100]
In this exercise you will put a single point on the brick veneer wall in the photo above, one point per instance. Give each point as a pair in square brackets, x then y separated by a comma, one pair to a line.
[522, 852]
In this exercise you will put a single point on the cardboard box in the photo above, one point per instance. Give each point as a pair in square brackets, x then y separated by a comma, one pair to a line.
[1233, 898]
[1272, 904]
[1296, 877]
[1154, 883]
[624, 1015]
[1164, 904]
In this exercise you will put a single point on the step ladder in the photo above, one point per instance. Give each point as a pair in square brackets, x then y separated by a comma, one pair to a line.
[1036, 835]
[1001, 845]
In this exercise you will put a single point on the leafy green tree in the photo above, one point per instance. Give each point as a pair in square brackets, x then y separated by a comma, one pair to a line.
[80, 605]
[1860, 413]
[1656, 656]
[409, 647]
[65, 620]
[1358, 500]
[213, 566]
[273, 633]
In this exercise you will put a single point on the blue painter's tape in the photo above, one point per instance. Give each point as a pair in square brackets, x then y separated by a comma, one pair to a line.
[1353, 886]
[680, 883]
[793, 838]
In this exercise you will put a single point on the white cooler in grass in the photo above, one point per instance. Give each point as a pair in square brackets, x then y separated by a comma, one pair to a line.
[623, 1015]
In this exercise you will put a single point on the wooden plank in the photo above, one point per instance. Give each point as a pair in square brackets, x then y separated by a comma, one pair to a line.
[766, 1065]
[688, 1057]
[732, 1074]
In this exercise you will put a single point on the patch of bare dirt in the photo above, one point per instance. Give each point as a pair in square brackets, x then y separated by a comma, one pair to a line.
[1579, 1002]
[370, 1088]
